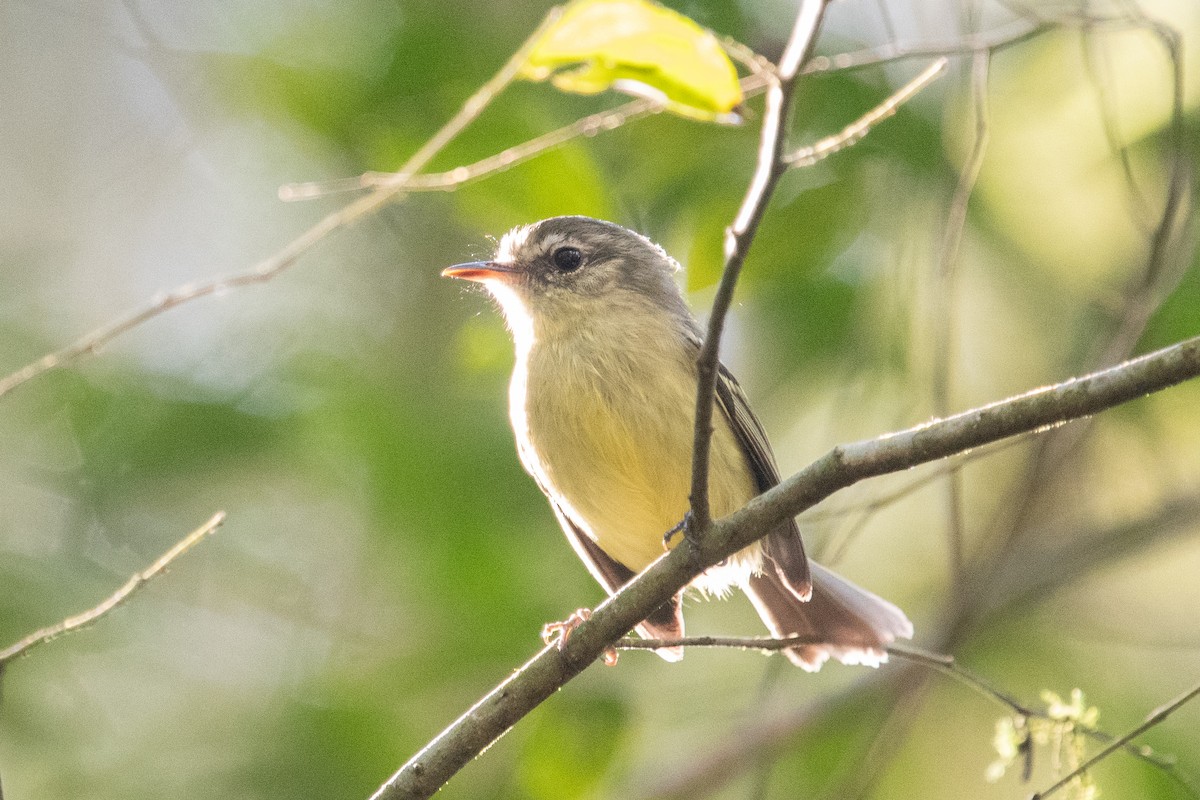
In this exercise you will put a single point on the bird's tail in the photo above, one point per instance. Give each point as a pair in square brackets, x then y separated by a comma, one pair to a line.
[843, 621]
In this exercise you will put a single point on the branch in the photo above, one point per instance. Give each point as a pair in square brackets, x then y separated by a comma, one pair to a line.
[384, 186]
[1013, 587]
[993, 41]
[945, 311]
[843, 466]
[939, 662]
[752, 85]
[386, 191]
[1155, 717]
[508, 158]
[738, 237]
[855, 132]
[140, 579]
[1035, 410]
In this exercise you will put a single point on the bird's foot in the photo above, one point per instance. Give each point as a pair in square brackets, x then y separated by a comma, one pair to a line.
[557, 633]
[682, 526]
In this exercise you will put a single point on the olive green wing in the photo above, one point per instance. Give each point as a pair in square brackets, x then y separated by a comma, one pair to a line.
[666, 622]
[782, 547]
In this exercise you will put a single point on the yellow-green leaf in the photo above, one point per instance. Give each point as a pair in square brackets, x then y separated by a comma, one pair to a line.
[640, 48]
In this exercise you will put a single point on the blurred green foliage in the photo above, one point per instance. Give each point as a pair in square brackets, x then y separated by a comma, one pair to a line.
[571, 745]
[386, 561]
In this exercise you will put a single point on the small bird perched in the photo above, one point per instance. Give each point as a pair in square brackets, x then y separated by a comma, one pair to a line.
[602, 402]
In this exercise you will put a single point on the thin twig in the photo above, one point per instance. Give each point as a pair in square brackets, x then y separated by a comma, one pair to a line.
[939, 662]
[1154, 718]
[837, 545]
[384, 192]
[611, 119]
[948, 665]
[1124, 329]
[506, 159]
[740, 234]
[992, 42]
[757, 64]
[944, 308]
[766, 644]
[845, 465]
[74, 623]
[855, 131]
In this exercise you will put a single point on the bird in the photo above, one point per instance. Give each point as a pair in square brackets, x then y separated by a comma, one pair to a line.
[602, 405]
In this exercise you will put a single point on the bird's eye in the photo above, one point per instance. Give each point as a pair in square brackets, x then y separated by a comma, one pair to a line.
[568, 259]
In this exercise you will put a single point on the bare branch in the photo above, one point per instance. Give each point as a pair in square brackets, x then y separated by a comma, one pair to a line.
[944, 312]
[385, 186]
[506, 159]
[857, 130]
[267, 269]
[1037, 409]
[843, 466]
[993, 41]
[740, 234]
[74, 623]
[1154, 718]
[939, 662]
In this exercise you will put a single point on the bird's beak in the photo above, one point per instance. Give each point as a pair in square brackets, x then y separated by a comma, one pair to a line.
[480, 271]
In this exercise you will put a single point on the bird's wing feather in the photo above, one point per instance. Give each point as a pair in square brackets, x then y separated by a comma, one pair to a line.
[667, 620]
[783, 546]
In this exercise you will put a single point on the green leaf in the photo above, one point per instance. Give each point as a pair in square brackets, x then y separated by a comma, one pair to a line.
[640, 48]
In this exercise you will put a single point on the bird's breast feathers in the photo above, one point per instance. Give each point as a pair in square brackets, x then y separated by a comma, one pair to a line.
[607, 432]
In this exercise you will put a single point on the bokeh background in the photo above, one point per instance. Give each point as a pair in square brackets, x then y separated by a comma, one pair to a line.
[386, 561]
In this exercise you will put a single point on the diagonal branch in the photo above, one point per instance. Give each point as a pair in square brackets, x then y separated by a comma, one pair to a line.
[738, 237]
[1154, 718]
[550, 669]
[383, 193]
[945, 664]
[1037, 409]
[854, 133]
[139, 580]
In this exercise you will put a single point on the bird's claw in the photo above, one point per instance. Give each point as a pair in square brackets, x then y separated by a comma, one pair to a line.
[680, 527]
[557, 633]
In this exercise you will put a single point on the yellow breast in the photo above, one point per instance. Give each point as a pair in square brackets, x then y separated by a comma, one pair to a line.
[608, 433]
